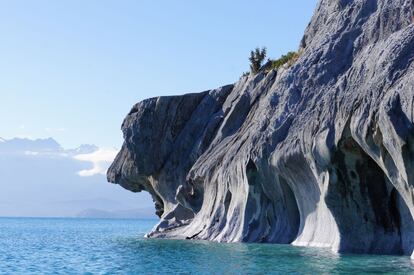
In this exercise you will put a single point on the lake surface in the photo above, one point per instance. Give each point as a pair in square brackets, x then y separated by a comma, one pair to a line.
[99, 246]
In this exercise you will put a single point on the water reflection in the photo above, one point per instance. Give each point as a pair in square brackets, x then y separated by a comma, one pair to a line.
[201, 257]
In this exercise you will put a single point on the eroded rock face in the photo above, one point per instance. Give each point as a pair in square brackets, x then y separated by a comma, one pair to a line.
[318, 154]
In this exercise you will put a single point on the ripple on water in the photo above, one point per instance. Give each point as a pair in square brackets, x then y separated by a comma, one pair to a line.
[91, 246]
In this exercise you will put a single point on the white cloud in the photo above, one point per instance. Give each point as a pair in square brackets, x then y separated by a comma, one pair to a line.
[101, 159]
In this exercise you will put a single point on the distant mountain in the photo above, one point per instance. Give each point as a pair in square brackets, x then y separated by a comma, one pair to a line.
[40, 178]
[83, 149]
[145, 213]
[41, 146]
[96, 203]
[21, 145]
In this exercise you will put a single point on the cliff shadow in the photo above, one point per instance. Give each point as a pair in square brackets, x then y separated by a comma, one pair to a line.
[271, 212]
[369, 212]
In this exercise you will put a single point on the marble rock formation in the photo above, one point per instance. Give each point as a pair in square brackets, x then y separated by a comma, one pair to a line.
[320, 153]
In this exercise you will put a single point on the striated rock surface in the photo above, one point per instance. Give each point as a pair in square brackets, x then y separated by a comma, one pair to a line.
[317, 154]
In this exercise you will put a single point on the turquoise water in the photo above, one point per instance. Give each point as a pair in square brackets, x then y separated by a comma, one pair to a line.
[98, 246]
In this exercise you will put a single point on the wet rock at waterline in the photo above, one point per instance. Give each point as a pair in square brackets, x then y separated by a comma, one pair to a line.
[320, 153]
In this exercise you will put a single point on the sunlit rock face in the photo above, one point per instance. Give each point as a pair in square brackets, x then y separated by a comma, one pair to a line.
[317, 154]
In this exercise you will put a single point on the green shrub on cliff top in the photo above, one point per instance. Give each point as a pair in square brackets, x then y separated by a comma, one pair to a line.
[258, 55]
[256, 59]
[288, 59]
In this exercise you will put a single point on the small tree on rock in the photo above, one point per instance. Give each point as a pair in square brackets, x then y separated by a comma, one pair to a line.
[256, 59]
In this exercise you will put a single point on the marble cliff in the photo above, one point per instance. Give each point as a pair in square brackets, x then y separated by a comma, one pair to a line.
[320, 153]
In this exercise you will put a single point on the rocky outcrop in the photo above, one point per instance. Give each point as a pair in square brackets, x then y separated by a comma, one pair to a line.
[318, 154]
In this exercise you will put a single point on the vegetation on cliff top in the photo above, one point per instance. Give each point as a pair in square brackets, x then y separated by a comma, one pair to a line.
[256, 59]
[287, 59]
[258, 55]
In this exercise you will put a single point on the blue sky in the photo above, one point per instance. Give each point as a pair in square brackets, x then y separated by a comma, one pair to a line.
[72, 69]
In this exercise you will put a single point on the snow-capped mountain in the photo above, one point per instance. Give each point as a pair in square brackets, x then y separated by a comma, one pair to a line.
[41, 178]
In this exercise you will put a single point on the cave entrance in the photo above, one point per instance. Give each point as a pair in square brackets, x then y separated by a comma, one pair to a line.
[271, 213]
[367, 208]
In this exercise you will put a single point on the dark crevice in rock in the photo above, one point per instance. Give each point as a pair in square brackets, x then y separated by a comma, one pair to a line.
[194, 236]
[251, 171]
[227, 201]
[393, 209]
[292, 210]
[190, 195]
[363, 202]
[159, 207]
